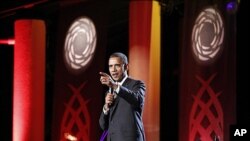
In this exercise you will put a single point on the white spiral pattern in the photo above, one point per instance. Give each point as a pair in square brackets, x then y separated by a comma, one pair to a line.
[80, 44]
[207, 35]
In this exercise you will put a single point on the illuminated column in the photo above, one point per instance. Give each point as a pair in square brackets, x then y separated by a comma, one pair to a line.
[29, 81]
[152, 105]
[139, 38]
[144, 59]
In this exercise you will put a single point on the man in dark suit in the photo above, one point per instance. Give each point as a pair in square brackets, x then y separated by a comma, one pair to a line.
[122, 111]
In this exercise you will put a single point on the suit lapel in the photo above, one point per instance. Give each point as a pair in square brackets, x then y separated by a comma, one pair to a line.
[126, 82]
[112, 110]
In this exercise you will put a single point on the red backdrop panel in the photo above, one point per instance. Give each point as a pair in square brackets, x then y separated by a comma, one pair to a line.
[78, 97]
[207, 90]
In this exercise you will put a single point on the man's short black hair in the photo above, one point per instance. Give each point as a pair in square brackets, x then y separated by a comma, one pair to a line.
[120, 55]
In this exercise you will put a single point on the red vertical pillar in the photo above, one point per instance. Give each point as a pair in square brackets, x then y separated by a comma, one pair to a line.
[139, 48]
[139, 38]
[144, 59]
[29, 81]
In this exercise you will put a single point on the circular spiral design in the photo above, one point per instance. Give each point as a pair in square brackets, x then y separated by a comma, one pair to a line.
[207, 35]
[80, 44]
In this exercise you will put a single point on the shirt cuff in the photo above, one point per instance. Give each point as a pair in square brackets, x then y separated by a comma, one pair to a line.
[105, 110]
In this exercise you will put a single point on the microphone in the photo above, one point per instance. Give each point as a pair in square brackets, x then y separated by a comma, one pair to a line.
[111, 90]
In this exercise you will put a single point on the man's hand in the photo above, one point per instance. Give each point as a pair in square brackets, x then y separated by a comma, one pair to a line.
[109, 99]
[107, 80]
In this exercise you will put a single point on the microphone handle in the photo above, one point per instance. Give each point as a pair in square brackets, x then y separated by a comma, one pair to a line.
[111, 90]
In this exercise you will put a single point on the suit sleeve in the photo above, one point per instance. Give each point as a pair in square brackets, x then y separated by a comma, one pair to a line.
[103, 121]
[135, 95]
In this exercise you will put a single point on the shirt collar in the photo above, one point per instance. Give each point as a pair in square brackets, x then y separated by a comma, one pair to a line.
[120, 83]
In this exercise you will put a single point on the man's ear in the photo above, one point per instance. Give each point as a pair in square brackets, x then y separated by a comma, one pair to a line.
[126, 67]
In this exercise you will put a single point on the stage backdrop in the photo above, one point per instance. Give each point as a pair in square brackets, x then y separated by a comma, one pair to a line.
[208, 72]
[79, 56]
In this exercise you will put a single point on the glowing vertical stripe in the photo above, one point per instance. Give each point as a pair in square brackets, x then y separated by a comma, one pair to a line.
[29, 81]
[152, 105]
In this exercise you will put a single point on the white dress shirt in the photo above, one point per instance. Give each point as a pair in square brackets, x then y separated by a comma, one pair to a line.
[116, 91]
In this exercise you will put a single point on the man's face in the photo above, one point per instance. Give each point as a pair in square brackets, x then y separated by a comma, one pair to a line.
[116, 68]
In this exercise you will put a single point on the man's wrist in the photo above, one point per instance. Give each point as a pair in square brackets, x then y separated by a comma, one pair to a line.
[105, 109]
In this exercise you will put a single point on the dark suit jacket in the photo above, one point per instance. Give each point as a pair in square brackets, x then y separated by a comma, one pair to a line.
[124, 120]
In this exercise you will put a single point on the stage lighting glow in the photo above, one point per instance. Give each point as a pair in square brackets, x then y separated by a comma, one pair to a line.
[80, 44]
[207, 35]
[7, 41]
[70, 137]
[232, 6]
